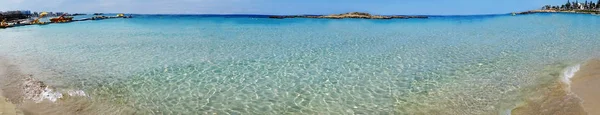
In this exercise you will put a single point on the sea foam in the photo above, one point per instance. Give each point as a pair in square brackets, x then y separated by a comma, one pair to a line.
[37, 91]
[569, 72]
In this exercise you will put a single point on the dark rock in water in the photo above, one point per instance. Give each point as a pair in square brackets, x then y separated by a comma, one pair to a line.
[12, 17]
[282, 17]
[527, 12]
[277, 17]
[76, 14]
[358, 15]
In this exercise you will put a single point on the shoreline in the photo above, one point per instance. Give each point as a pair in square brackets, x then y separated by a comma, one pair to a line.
[7, 107]
[567, 94]
[551, 95]
[586, 85]
[22, 94]
[556, 11]
[574, 92]
[11, 25]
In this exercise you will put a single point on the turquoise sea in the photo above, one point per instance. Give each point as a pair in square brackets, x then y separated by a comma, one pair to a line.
[248, 64]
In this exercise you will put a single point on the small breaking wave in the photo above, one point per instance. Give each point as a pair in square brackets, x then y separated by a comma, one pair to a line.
[569, 72]
[37, 91]
[552, 96]
[38, 98]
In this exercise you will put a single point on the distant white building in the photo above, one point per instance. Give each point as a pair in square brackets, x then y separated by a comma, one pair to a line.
[581, 7]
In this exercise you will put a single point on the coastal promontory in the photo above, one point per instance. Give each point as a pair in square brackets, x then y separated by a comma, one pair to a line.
[356, 15]
[569, 7]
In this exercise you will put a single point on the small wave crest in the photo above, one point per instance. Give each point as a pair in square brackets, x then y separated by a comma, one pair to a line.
[37, 91]
[552, 97]
[569, 72]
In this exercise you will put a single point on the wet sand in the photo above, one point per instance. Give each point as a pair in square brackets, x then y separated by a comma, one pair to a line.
[586, 85]
[554, 99]
[557, 95]
[8, 108]
[20, 94]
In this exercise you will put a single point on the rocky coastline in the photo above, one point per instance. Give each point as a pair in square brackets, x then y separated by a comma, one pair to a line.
[560, 11]
[26, 20]
[574, 7]
[355, 15]
[13, 17]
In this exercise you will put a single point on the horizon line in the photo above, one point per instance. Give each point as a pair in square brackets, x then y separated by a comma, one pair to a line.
[259, 14]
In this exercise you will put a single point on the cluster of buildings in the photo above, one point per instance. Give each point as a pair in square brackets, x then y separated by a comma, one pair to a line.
[28, 13]
[14, 15]
[25, 12]
[25, 15]
[575, 6]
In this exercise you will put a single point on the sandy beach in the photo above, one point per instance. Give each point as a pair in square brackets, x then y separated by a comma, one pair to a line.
[7, 108]
[576, 96]
[22, 95]
[586, 85]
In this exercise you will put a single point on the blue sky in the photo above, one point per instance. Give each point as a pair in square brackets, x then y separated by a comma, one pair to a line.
[426, 7]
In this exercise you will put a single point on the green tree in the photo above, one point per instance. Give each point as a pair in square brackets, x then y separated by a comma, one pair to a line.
[598, 4]
[568, 5]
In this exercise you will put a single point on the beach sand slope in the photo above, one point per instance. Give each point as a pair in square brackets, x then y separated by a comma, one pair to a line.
[586, 85]
[7, 108]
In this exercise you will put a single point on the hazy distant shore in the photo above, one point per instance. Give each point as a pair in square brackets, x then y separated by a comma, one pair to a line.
[358, 15]
[560, 11]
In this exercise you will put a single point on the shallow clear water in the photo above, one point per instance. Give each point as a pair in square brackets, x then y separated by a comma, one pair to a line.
[198, 64]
